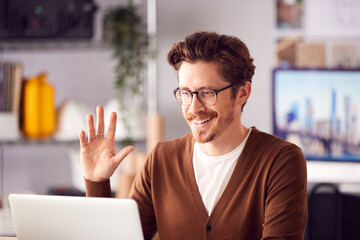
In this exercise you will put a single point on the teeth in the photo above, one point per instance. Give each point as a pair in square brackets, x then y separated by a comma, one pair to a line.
[201, 121]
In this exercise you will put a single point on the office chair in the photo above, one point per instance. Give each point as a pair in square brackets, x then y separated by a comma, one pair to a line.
[325, 213]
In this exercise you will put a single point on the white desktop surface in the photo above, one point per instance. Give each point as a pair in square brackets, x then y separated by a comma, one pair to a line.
[6, 223]
[334, 172]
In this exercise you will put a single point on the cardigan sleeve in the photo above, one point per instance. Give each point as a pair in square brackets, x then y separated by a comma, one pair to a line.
[286, 196]
[141, 193]
[98, 189]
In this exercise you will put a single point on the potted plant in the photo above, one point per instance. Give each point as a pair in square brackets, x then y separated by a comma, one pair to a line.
[127, 35]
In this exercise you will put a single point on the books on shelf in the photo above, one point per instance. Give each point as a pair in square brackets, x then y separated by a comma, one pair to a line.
[10, 98]
[10, 86]
[2, 91]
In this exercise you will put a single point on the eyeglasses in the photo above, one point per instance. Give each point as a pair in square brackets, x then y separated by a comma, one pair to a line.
[207, 97]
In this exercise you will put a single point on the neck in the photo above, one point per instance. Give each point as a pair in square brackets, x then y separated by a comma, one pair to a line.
[226, 142]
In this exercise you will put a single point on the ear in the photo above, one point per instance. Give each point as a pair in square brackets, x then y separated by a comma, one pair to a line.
[243, 93]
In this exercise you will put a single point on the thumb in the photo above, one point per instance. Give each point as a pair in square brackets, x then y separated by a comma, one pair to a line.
[122, 154]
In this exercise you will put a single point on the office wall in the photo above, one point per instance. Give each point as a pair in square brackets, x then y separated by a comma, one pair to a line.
[250, 20]
[86, 75]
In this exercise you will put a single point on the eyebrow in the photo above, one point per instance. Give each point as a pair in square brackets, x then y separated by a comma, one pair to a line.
[199, 89]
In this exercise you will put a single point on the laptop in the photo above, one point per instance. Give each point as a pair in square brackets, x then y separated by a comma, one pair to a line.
[44, 217]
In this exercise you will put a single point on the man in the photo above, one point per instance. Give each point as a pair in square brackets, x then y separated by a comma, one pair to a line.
[223, 181]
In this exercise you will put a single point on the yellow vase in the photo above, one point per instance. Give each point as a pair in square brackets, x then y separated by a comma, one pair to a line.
[38, 107]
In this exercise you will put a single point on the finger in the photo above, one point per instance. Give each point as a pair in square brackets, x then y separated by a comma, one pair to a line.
[90, 127]
[100, 120]
[122, 154]
[112, 127]
[82, 138]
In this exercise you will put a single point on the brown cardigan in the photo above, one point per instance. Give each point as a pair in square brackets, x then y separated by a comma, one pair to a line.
[264, 199]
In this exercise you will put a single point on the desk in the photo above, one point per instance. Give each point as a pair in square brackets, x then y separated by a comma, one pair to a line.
[6, 224]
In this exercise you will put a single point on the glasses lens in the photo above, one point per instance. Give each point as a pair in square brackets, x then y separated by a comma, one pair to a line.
[207, 97]
[183, 97]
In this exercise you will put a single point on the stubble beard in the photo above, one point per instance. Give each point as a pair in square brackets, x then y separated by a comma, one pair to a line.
[216, 130]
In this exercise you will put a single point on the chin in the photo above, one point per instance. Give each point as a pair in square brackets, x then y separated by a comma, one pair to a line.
[204, 139]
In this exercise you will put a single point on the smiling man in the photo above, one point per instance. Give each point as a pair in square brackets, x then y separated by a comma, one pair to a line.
[222, 181]
[215, 113]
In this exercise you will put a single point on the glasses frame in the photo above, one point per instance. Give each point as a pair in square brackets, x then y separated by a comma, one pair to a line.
[197, 94]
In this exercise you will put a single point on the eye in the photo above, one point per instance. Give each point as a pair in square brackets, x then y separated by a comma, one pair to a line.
[184, 93]
[207, 93]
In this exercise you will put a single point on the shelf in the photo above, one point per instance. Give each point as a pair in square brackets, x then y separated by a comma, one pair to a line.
[25, 141]
[49, 44]
[289, 33]
[140, 145]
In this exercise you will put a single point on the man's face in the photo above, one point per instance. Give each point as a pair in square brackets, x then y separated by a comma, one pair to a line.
[207, 123]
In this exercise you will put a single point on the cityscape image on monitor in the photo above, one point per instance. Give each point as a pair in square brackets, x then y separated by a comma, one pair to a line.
[319, 111]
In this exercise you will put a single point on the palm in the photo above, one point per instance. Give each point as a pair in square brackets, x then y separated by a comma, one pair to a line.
[98, 158]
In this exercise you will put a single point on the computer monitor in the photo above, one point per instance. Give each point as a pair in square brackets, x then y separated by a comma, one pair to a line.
[319, 110]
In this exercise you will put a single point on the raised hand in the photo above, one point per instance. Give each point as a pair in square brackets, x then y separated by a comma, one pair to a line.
[98, 158]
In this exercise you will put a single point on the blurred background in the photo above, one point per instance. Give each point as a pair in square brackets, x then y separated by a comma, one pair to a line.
[66, 53]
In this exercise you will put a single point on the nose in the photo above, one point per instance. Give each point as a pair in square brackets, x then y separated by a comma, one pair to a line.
[196, 106]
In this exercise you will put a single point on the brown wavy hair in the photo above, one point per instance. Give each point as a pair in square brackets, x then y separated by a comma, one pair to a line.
[232, 55]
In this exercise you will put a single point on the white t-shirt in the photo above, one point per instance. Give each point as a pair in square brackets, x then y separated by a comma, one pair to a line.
[212, 173]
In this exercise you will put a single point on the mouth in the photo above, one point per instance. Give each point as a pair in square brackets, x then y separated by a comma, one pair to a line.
[201, 121]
